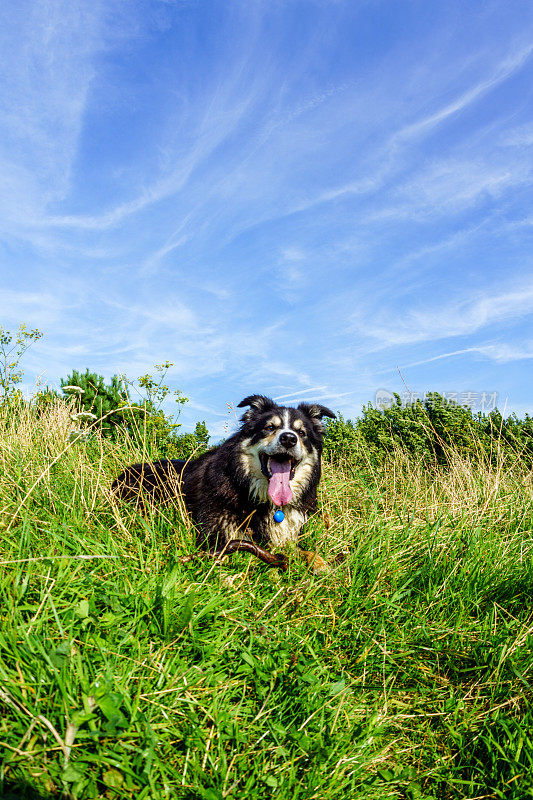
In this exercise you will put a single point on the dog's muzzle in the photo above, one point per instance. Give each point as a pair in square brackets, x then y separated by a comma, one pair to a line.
[266, 460]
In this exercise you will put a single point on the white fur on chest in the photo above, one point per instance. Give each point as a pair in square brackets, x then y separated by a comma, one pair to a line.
[278, 534]
[288, 531]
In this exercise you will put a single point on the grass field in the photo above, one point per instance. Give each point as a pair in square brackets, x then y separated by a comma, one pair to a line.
[405, 672]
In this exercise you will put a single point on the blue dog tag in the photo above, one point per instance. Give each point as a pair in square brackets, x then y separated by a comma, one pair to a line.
[279, 516]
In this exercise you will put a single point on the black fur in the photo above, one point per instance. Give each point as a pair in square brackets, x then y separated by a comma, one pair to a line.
[224, 489]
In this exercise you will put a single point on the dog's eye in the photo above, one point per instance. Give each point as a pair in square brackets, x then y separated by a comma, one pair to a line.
[270, 428]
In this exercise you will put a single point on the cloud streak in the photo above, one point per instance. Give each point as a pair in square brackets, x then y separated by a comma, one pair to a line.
[458, 318]
[508, 66]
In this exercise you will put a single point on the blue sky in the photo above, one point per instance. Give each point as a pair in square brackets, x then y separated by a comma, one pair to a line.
[290, 197]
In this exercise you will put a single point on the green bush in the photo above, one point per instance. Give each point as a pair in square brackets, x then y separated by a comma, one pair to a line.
[117, 415]
[428, 431]
[190, 445]
[341, 438]
[424, 430]
[511, 432]
[110, 403]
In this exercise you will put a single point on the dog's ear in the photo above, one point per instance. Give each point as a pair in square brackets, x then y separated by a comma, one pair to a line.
[258, 404]
[315, 413]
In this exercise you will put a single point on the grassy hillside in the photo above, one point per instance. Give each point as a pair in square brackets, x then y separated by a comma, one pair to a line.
[403, 673]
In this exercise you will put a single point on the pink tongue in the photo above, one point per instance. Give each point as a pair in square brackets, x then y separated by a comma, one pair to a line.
[278, 486]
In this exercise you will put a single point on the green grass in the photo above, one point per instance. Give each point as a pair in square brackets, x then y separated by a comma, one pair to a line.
[403, 673]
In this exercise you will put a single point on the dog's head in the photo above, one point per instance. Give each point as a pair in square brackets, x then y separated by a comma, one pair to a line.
[282, 445]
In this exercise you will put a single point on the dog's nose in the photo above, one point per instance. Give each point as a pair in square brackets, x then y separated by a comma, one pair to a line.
[288, 439]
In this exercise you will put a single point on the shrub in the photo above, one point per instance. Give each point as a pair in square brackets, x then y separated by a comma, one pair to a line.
[424, 430]
[190, 445]
[511, 433]
[429, 431]
[143, 421]
[341, 437]
[109, 402]
[12, 348]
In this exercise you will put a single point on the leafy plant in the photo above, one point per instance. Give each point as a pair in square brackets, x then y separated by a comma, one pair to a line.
[190, 445]
[12, 348]
[159, 428]
[428, 431]
[143, 420]
[341, 438]
[110, 403]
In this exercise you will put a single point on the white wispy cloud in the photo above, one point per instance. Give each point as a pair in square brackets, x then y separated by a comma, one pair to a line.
[457, 318]
[506, 352]
[329, 396]
[514, 61]
[300, 393]
[501, 351]
[47, 72]
[389, 157]
[35, 309]
[520, 136]
[449, 186]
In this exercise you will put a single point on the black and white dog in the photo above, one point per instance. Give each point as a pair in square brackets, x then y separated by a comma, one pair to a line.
[233, 491]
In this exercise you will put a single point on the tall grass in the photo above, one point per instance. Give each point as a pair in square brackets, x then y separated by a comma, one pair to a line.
[405, 672]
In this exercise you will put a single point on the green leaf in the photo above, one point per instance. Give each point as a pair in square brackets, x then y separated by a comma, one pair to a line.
[337, 687]
[170, 582]
[110, 706]
[71, 774]
[210, 794]
[113, 778]
[107, 619]
[248, 658]
[82, 609]
[79, 717]
[186, 611]
[59, 655]
[413, 791]
[278, 728]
